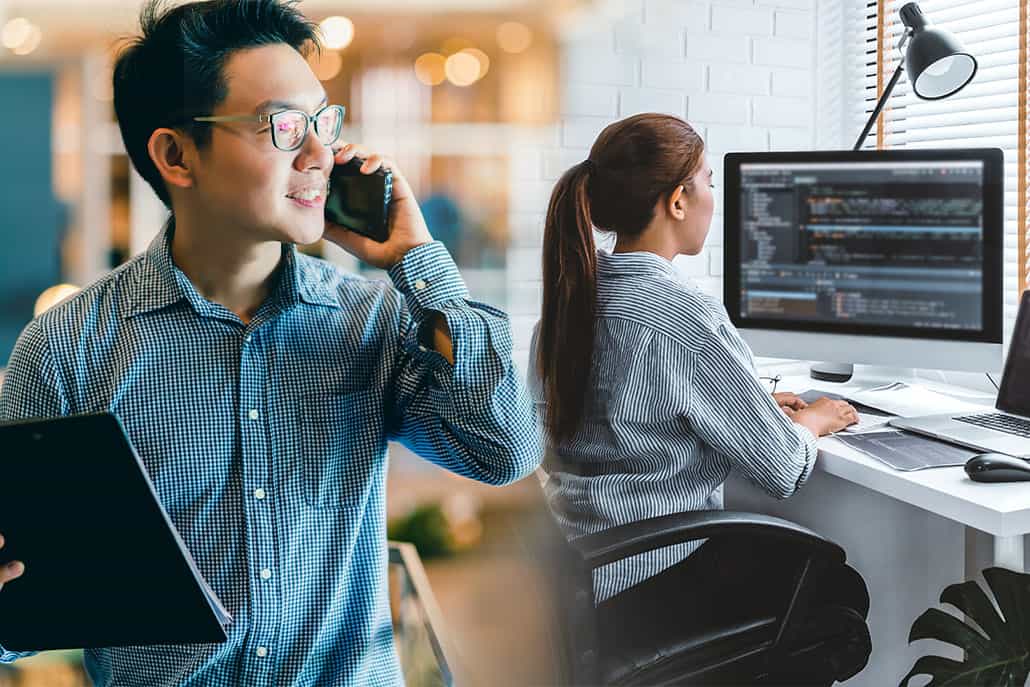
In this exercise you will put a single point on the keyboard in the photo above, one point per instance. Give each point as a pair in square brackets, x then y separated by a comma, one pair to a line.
[1000, 422]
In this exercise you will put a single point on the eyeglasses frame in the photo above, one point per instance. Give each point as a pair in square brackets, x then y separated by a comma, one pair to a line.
[311, 120]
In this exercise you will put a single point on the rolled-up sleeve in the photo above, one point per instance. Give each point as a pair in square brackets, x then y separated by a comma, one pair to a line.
[474, 417]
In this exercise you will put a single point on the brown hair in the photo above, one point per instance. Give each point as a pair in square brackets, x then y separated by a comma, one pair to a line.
[632, 164]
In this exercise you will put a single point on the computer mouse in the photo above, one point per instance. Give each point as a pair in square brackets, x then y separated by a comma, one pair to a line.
[998, 467]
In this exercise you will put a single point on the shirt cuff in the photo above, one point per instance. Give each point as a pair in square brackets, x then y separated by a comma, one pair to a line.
[811, 453]
[428, 278]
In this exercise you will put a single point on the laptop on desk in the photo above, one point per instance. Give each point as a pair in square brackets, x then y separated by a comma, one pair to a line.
[1008, 429]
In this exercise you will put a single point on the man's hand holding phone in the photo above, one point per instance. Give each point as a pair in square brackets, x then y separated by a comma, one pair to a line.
[9, 570]
[407, 227]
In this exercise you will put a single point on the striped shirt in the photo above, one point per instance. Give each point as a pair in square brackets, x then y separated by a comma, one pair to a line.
[266, 443]
[675, 406]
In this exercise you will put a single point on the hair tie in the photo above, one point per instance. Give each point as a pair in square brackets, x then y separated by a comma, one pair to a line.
[588, 165]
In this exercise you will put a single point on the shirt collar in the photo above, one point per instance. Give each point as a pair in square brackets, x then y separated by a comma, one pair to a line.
[634, 263]
[314, 285]
[161, 283]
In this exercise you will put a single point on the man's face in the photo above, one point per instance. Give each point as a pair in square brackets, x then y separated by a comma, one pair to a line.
[242, 181]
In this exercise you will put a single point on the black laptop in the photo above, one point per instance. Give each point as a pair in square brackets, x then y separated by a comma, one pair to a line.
[1008, 429]
[104, 565]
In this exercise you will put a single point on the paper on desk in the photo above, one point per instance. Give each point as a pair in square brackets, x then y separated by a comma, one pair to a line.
[911, 400]
[869, 423]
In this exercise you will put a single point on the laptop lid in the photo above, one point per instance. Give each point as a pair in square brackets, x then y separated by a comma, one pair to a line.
[1014, 396]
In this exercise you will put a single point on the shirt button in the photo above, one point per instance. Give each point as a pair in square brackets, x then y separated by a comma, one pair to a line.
[261, 652]
[265, 574]
[422, 348]
[420, 284]
[259, 493]
[253, 414]
[247, 338]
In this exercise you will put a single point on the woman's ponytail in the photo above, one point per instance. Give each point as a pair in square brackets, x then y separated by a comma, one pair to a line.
[616, 189]
[570, 293]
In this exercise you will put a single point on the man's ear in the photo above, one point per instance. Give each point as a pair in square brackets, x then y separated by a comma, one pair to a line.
[169, 150]
[677, 204]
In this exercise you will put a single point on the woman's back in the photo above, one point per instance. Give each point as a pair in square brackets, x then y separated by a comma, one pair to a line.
[673, 405]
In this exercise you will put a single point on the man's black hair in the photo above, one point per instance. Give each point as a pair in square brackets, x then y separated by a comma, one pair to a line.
[175, 69]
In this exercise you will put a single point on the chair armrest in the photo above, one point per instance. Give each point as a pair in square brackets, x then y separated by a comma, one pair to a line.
[623, 541]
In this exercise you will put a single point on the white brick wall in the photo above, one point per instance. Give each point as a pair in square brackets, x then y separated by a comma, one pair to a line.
[740, 71]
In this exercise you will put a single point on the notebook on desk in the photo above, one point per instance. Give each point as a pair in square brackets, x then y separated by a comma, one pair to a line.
[1007, 430]
[104, 566]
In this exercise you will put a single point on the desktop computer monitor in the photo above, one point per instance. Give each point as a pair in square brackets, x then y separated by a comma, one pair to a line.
[880, 257]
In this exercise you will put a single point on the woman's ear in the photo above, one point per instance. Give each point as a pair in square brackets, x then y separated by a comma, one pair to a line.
[677, 204]
[167, 149]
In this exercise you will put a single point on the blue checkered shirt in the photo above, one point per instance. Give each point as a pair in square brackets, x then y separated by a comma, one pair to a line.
[266, 443]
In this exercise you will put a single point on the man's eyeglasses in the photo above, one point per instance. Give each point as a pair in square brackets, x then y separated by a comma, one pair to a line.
[771, 382]
[290, 127]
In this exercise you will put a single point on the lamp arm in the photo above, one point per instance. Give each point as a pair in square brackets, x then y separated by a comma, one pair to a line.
[886, 92]
[879, 106]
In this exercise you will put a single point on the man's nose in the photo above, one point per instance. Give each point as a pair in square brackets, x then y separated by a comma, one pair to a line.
[313, 153]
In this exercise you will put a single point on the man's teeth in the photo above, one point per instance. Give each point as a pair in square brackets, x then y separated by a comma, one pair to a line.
[310, 194]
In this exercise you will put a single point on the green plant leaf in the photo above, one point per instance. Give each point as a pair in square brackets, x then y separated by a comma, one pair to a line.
[970, 598]
[1012, 590]
[944, 627]
[1000, 656]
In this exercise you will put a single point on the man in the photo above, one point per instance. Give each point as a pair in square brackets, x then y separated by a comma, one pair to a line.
[260, 385]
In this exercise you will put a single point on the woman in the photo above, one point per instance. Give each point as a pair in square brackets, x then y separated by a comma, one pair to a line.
[649, 394]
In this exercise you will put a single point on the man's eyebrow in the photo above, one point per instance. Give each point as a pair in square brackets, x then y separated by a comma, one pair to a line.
[274, 105]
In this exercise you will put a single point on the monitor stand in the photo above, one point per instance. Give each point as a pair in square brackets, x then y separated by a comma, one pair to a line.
[831, 372]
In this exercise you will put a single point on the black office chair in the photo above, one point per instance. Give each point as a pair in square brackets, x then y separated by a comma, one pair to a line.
[803, 645]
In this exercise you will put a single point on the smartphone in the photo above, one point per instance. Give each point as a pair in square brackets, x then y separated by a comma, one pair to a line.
[360, 202]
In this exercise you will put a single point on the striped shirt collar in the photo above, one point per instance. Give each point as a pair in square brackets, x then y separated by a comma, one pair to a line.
[295, 280]
[634, 263]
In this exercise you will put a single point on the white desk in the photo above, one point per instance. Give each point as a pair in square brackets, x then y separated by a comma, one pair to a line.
[910, 534]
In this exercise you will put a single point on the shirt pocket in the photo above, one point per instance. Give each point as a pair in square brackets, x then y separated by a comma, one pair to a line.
[342, 445]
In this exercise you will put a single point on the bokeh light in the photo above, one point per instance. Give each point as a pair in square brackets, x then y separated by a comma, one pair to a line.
[429, 68]
[31, 42]
[338, 32]
[52, 296]
[482, 58]
[15, 32]
[462, 69]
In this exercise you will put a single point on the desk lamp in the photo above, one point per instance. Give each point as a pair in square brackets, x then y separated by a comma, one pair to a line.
[938, 65]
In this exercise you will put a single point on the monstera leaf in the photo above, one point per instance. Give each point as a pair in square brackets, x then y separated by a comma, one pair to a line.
[999, 656]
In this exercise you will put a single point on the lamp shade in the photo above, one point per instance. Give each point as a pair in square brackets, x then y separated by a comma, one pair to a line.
[937, 64]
